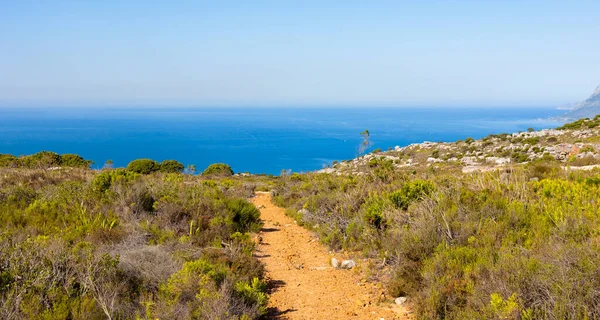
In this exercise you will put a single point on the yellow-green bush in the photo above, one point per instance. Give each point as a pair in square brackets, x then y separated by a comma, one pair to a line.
[80, 244]
[495, 245]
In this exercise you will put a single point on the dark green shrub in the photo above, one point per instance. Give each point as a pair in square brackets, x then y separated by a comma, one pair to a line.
[75, 161]
[245, 216]
[171, 166]
[143, 166]
[218, 169]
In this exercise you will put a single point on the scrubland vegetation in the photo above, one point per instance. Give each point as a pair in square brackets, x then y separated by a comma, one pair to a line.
[518, 243]
[118, 244]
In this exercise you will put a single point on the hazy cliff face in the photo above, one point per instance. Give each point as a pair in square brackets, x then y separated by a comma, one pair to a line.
[588, 108]
[594, 99]
[596, 93]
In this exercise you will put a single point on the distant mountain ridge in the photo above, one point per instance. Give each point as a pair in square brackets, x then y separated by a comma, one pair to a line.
[588, 108]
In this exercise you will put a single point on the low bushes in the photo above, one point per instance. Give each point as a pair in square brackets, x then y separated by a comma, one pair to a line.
[123, 245]
[44, 160]
[495, 245]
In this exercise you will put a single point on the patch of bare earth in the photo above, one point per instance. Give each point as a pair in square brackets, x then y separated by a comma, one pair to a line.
[302, 283]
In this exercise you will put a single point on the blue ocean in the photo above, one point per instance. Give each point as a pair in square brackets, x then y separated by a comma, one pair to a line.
[255, 140]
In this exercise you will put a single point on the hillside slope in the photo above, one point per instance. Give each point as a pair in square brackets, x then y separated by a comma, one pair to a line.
[575, 145]
[498, 228]
[588, 108]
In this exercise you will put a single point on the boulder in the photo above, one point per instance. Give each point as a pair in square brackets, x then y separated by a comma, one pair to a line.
[400, 300]
[334, 263]
[348, 264]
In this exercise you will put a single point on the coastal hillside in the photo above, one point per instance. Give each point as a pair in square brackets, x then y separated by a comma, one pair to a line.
[504, 227]
[575, 145]
[586, 109]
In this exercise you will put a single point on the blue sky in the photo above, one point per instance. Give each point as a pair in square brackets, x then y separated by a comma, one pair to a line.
[383, 53]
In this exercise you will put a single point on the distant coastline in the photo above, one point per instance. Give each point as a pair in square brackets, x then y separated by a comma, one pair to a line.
[249, 139]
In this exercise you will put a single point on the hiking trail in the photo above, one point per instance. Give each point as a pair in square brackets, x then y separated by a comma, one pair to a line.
[302, 283]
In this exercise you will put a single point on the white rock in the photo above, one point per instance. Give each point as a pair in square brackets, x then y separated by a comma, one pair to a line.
[400, 300]
[334, 263]
[502, 160]
[348, 264]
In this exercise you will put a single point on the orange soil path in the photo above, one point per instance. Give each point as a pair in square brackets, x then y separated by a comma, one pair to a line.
[303, 285]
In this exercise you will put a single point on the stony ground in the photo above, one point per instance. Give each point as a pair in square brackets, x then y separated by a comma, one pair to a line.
[576, 148]
[303, 285]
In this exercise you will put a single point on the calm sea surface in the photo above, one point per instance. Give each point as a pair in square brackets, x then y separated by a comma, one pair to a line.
[257, 140]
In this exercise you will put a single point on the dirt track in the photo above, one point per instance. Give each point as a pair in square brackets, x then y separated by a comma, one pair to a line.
[303, 283]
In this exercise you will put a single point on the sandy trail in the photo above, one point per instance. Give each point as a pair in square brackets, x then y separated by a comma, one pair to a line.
[303, 284]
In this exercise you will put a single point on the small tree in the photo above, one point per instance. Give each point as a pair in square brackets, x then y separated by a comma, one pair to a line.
[218, 169]
[143, 166]
[109, 164]
[171, 166]
[366, 143]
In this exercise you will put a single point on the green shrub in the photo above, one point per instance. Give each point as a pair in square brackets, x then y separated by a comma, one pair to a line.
[374, 213]
[75, 161]
[519, 157]
[171, 166]
[588, 148]
[254, 293]
[143, 166]
[532, 140]
[411, 191]
[43, 159]
[8, 160]
[218, 169]
[245, 216]
[105, 179]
